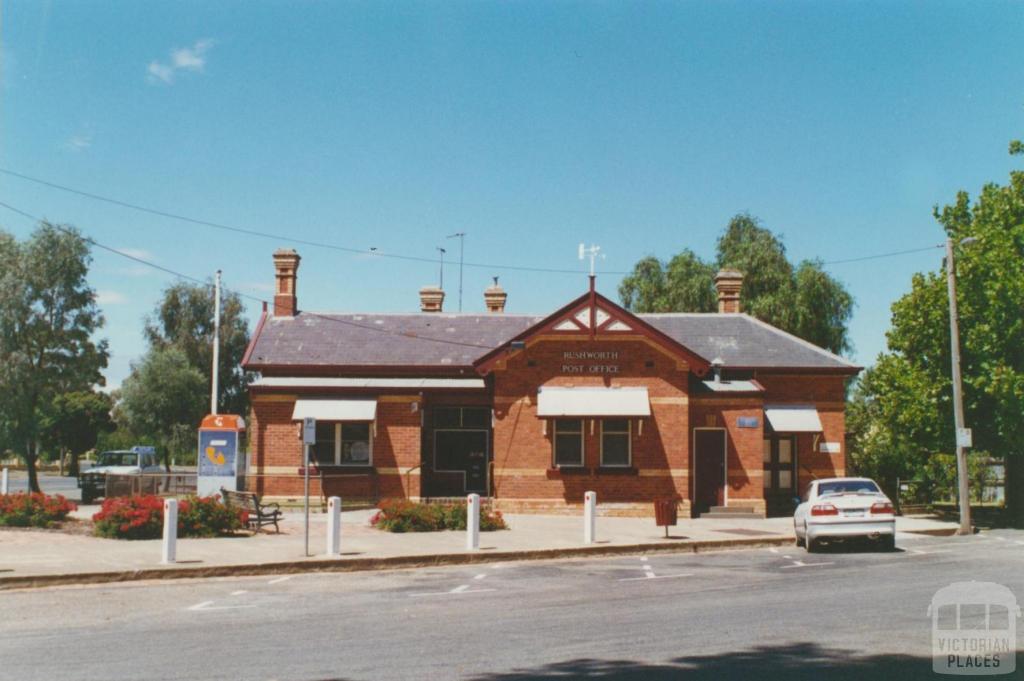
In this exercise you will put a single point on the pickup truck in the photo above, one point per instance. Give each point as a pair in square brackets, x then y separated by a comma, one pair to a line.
[134, 461]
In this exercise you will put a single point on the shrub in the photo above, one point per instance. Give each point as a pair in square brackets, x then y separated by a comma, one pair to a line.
[399, 515]
[142, 517]
[138, 517]
[33, 510]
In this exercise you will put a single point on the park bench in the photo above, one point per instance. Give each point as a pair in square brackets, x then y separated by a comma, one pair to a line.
[259, 514]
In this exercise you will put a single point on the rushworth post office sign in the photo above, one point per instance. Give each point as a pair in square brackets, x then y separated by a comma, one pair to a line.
[582, 362]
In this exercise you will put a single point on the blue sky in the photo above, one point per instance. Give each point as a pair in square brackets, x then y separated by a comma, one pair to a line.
[530, 126]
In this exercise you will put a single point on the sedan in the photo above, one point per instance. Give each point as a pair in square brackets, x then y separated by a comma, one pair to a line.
[841, 508]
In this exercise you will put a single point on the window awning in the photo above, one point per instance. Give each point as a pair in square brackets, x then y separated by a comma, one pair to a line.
[585, 401]
[335, 410]
[793, 419]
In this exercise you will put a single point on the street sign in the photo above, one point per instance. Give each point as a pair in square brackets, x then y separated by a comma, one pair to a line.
[963, 437]
[309, 431]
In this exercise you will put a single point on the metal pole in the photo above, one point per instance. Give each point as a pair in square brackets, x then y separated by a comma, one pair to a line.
[170, 531]
[305, 473]
[441, 277]
[472, 522]
[589, 517]
[216, 342]
[462, 248]
[334, 527]
[958, 402]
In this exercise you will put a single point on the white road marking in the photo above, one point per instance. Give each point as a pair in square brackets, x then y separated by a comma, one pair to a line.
[643, 559]
[788, 557]
[1019, 542]
[801, 564]
[207, 606]
[928, 553]
[773, 550]
[481, 575]
[280, 579]
[457, 591]
[650, 575]
[239, 592]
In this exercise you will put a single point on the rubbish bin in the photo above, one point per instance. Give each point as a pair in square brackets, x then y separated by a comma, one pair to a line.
[666, 512]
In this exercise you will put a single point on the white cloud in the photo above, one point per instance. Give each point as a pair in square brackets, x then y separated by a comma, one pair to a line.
[181, 59]
[79, 142]
[110, 298]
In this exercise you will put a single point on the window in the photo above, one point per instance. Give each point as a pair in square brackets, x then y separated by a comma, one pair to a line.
[615, 442]
[355, 444]
[568, 442]
[323, 450]
[343, 444]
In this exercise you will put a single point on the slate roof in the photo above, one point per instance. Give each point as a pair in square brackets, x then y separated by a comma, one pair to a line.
[456, 340]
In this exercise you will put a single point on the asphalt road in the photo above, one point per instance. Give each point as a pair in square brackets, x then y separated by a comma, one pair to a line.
[765, 613]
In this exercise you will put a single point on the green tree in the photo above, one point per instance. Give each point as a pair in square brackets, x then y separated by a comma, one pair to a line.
[48, 319]
[803, 300]
[911, 383]
[163, 401]
[74, 421]
[184, 320]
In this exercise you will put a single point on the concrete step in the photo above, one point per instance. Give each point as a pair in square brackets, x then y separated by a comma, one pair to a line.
[732, 510]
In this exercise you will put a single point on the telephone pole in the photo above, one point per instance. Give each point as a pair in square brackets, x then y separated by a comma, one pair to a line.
[216, 342]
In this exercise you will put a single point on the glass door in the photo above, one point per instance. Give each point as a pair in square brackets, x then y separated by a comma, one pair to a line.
[780, 474]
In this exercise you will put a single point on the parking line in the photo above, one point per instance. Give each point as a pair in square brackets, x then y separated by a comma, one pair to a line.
[239, 592]
[481, 575]
[801, 564]
[654, 576]
[280, 579]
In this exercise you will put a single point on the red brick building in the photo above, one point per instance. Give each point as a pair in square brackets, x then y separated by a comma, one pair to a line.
[715, 410]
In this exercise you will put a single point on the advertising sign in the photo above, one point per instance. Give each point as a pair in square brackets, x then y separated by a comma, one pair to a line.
[217, 458]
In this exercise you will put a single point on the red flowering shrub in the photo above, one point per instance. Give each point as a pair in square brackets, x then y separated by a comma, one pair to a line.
[138, 517]
[142, 517]
[33, 510]
[399, 515]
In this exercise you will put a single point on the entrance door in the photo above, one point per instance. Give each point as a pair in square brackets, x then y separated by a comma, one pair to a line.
[709, 462]
[779, 474]
[463, 451]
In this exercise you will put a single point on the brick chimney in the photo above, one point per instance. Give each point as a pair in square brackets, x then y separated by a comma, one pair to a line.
[286, 267]
[431, 299]
[728, 283]
[494, 298]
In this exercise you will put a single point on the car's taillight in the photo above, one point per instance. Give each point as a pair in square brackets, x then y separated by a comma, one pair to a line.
[882, 507]
[824, 509]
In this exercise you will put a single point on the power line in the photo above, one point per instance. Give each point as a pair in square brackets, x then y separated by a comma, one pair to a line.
[360, 251]
[187, 277]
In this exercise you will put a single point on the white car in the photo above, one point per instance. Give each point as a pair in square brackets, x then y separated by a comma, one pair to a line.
[841, 508]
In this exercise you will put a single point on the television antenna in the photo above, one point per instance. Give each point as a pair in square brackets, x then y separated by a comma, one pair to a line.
[593, 253]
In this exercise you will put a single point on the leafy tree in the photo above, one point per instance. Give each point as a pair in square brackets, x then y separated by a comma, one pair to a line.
[163, 400]
[74, 421]
[911, 385]
[48, 318]
[184, 320]
[803, 300]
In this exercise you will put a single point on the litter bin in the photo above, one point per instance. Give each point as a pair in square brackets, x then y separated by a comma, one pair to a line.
[666, 512]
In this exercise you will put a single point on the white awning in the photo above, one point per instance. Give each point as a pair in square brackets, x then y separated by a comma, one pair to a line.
[555, 401]
[335, 410]
[793, 419]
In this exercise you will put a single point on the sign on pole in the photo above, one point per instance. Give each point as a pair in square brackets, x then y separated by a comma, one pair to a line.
[963, 437]
[309, 431]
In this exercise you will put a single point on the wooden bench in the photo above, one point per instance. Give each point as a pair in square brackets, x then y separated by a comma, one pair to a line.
[259, 514]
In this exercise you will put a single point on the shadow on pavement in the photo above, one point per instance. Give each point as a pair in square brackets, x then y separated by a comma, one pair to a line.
[796, 662]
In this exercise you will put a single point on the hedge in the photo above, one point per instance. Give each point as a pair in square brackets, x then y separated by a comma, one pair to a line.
[142, 517]
[399, 515]
[33, 510]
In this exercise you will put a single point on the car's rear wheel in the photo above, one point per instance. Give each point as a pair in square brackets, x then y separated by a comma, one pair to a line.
[888, 542]
[800, 541]
[813, 545]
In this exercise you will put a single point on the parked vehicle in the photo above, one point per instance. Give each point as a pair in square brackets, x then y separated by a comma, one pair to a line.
[843, 508]
[134, 461]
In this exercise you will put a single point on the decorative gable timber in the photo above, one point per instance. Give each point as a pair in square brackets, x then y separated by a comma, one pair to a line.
[592, 317]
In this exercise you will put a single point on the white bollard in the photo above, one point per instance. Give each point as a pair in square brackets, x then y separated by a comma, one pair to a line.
[589, 517]
[334, 526]
[473, 522]
[170, 530]
[4, 481]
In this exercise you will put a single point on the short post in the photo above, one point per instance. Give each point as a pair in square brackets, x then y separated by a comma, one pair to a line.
[472, 522]
[170, 530]
[4, 482]
[589, 517]
[334, 526]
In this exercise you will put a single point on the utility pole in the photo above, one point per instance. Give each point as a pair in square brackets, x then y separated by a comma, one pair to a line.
[441, 278]
[216, 342]
[962, 435]
[462, 246]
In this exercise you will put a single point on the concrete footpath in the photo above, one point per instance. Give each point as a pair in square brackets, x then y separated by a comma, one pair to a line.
[38, 557]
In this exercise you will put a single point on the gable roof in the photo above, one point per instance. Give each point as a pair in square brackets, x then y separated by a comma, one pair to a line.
[441, 342]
